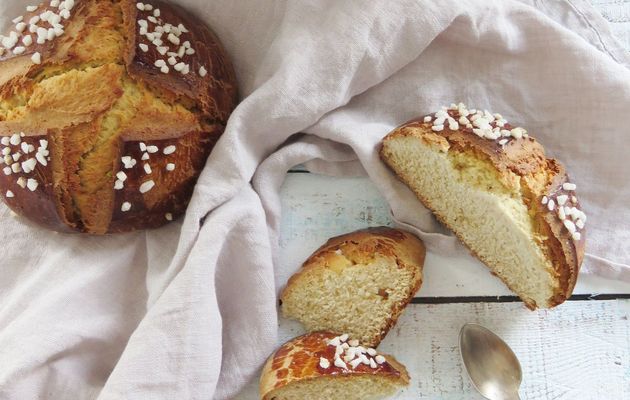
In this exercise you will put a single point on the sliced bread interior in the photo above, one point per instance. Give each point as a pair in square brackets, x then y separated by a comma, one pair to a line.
[338, 388]
[493, 186]
[357, 283]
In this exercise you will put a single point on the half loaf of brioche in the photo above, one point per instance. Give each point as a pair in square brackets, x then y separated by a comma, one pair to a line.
[322, 365]
[108, 112]
[492, 184]
[357, 283]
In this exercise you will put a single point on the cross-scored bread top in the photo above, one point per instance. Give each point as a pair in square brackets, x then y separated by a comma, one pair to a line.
[126, 137]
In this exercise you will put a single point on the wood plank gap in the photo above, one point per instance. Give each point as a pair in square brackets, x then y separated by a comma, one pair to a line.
[510, 299]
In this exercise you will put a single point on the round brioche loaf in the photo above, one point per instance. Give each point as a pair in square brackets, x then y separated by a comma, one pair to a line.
[492, 184]
[358, 283]
[322, 365]
[108, 112]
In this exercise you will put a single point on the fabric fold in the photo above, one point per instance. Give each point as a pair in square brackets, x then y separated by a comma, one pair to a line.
[189, 310]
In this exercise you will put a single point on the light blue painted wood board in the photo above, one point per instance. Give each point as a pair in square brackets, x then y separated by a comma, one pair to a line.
[579, 352]
[617, 12]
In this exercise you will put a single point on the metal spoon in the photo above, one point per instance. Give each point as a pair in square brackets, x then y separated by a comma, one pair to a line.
[492, 366]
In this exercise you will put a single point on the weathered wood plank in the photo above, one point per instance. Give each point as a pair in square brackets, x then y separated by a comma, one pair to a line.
[617, 12]
[578, 351]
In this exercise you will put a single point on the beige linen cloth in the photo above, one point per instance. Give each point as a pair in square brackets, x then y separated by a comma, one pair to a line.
[188, 311]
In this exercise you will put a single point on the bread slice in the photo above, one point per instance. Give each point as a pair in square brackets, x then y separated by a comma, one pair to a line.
[357, 283]
[312, 367]
[493, 186]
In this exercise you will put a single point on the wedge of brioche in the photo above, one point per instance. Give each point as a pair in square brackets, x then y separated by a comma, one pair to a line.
[322, 365]
[492, 184]
[357, 283]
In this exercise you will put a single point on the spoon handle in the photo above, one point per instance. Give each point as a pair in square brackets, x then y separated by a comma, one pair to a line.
[515, 396]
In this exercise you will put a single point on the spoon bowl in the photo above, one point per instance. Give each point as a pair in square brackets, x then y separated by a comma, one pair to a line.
[492, 366]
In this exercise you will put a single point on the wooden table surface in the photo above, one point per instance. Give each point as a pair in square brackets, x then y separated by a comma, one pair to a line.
[578, 351]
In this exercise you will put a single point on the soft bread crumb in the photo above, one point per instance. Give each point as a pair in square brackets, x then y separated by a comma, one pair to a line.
[469, 196]
[342, 388]
[335, 291]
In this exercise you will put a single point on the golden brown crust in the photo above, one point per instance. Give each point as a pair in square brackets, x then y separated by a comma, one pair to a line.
[522, 157]
[567, 252]
[298, 360]
[88, 79]
[216, 93]
[523, 160]
[362, 247]
[45, 49]
[35, 204]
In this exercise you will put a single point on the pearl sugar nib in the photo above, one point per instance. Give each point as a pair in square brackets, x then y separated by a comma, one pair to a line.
[349, 354]
[23, 157]
[564, 205]
[482, 123]
[169, 41]
[41, 28]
